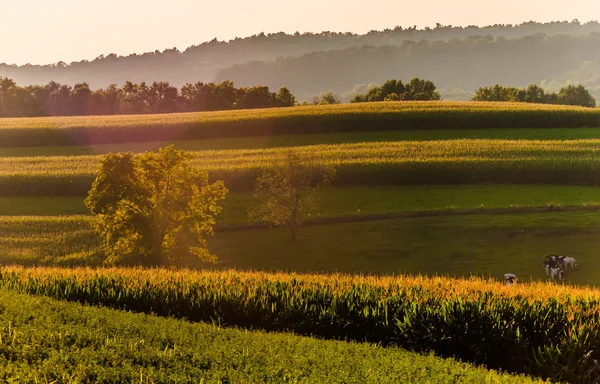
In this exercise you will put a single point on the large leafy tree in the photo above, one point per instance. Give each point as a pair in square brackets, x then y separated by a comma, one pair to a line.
[154, 208]
[286, 192]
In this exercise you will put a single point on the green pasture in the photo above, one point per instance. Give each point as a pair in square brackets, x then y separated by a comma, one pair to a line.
[488, 245]
[351, 201]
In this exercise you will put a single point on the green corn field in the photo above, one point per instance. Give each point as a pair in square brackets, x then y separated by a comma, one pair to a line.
[545, 330]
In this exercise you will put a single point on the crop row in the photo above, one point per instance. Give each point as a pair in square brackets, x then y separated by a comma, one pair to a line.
[49, 341]
[384, 163]
[54, 131]
[539, 329]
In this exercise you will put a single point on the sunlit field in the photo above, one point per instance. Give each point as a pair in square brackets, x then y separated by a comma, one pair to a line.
[384, 116]
[573, 162]
[426, 195]
[544, 327]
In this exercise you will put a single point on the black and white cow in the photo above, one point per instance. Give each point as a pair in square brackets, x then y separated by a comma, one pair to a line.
[549, 264]
[556, 273]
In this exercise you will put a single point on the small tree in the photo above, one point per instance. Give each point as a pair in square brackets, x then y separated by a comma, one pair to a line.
[285, 98]
[325, 98]
[154, 208]
[287, 191]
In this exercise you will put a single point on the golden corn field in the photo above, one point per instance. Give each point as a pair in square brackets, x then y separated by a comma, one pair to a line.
[540, 329]
[53, 131]
[381, 163]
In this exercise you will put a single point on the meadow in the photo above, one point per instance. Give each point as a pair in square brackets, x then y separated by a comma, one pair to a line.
[487, 245]
[336, 202]
[539, 329]
[44, 340]
[93, 130]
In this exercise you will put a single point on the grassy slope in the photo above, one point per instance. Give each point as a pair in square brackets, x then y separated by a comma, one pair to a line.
[357, 200]
[313, 139]
[46, 340]
[453, 245]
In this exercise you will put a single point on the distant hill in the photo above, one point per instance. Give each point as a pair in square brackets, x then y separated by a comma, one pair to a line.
[457, 58]
[465, 64]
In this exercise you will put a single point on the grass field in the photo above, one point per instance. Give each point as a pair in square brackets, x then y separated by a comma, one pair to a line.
[49, 341]
[91, 130]
[486, 245]
[337, 202]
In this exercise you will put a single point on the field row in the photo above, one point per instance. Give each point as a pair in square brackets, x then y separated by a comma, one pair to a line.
[56, 131]
[384, 163]
[273, 141]
[49, 341]
[539, 329]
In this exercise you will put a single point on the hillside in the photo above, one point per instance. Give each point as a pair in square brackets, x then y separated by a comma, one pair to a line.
[446, 48]
[465, 64]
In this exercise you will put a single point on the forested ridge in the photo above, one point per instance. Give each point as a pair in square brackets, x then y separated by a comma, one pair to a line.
[457, 59]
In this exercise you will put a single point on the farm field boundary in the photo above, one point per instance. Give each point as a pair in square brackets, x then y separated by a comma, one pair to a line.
[518, 329]
[106, 345]
[60, 131]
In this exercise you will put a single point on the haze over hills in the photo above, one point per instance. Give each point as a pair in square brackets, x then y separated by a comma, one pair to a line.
[457, 59]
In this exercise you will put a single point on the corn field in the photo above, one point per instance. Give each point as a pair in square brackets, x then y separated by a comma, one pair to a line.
[546, 330]
[574, 162]
[55, 131]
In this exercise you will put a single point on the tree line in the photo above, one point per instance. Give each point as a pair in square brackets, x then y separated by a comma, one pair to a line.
[55, 99]
[395, 90]
[569, 95]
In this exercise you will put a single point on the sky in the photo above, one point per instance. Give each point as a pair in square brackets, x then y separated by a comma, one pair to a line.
[48, 31]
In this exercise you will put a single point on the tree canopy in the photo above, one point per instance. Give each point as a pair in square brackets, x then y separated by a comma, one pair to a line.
[395, 90]
[286, 192]
[569, 95]
[154, 208]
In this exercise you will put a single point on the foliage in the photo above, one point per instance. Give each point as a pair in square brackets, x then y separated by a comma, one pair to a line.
[368, 117]
[326, 98]
[395, 90]
[569, 95]
[287, 190]
[45, 340]
[55, 99]
[540, 329]
[153, 208]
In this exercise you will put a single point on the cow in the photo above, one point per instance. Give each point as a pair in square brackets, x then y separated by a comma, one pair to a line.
[570, 263]
[550, 264]
[556, 273]
[510, 279]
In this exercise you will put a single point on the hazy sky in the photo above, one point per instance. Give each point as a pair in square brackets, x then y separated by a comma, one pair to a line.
[47, 31]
